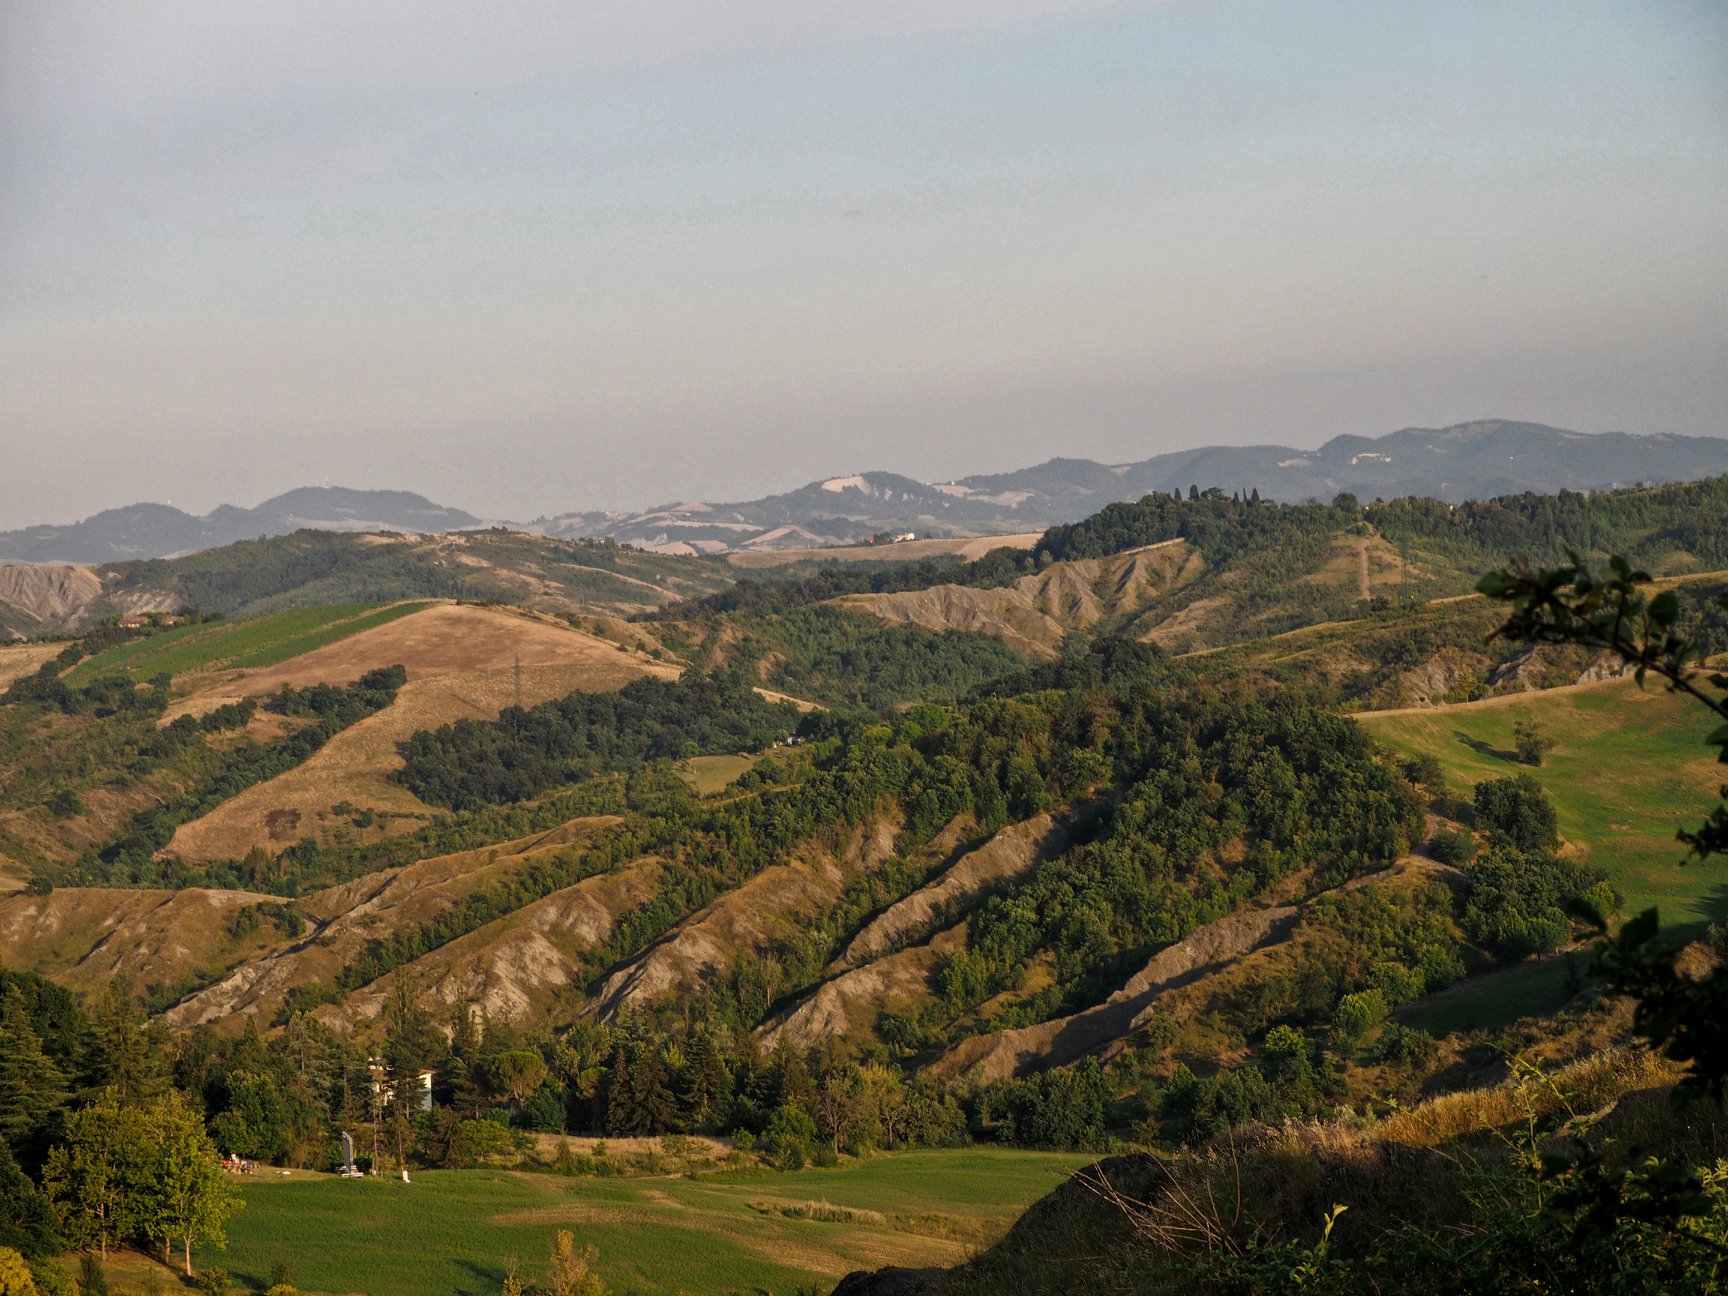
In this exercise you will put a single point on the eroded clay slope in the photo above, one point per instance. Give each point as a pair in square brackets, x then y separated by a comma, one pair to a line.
[849, 1004]
[370, 908]
[1006, 858]
[512, 969]
[1066, 1039]
[1036, 612]
[1201, 953]
[749, 918]
[84, 937]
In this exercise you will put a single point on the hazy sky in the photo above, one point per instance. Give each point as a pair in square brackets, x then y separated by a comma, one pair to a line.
[527, 258]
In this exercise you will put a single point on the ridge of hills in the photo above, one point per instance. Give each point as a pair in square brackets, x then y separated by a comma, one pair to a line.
[313, 568]
[1122, 815]
[159, 530]
[1463, 461]
[1374, 639]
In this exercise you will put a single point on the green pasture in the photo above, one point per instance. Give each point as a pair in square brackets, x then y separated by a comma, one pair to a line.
[252, 644]
[453, 1231]
[1495, 999]
[705, 774]
[1628, 770]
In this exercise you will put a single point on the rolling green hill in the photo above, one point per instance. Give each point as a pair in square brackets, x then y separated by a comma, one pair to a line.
[1628, 770]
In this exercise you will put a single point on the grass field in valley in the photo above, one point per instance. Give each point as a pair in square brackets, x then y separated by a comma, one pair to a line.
[1628, 769]
[452, 1231]
[252, 644]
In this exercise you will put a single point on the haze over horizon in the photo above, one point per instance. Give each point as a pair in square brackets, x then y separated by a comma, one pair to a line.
[525, 261]
[763, 490]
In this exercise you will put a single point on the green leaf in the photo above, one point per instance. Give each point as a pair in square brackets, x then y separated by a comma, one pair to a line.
[1665, 608]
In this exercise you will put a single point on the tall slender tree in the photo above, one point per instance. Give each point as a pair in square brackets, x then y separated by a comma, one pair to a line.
[32, 1089]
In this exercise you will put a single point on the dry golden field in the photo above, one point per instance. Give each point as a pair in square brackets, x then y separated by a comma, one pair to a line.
[461, 664]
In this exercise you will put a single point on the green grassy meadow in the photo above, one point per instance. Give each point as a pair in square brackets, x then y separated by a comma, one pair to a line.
[705, 774]
[1495, 999]
[452, 1231]
[259, 642]
[1628, 769]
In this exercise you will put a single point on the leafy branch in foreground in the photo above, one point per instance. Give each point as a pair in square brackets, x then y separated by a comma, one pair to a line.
[1686, 1016]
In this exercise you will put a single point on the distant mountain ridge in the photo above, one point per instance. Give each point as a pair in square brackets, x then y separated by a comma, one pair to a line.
[1465, 461]
[158, 530]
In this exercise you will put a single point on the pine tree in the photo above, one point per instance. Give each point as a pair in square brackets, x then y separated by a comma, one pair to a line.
[707, 1084]
[793, 1086]
[656, 1105]
[619, 1093]
[31, 1086]
[124, 1053]
[27, 1220]
[412, 1041]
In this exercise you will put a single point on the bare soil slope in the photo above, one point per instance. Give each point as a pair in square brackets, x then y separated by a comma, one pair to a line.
[513, 969]
[852, 1001]
[352, 914]
[84, 937]
[1204, 951]
[1007, 857]
[41, 598]
[1034, 613]
[748, 918]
